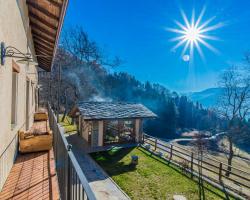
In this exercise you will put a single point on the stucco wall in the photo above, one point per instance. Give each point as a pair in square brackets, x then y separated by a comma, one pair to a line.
[14, 31]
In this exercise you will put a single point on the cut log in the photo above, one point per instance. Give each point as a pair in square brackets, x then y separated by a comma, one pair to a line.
[29, 142]
[40, 116]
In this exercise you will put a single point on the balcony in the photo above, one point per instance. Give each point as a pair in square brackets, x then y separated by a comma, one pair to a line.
[32, 177]
[53, 174]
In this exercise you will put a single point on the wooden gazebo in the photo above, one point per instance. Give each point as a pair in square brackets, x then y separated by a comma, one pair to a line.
[105, 123]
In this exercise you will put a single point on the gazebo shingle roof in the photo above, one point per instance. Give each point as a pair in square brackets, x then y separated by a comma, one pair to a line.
[111, 110]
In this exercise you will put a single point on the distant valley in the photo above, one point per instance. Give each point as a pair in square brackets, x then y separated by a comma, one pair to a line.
[207, 98]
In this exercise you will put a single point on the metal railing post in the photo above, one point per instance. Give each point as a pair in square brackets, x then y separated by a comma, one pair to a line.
[69, 175]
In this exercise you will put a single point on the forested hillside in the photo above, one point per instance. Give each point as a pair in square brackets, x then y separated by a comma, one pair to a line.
[94, 83]
[85, 77]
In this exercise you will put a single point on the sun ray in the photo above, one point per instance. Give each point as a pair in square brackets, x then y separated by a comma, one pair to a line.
[181, 25]
[210, 28]
[179, 44]
[206, 23]
[209, 37]
[185, 19]
[199, 50]
[191, 51]
[208, 46]
[200, 17]
[176, 30]
[177, 38]
[185, 48]
[193, 18]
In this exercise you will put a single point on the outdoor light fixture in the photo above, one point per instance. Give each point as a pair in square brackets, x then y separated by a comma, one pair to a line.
[12, 52]
[27, 61]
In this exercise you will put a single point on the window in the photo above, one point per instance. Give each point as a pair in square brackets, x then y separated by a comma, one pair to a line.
[32, 93]
[14, 99]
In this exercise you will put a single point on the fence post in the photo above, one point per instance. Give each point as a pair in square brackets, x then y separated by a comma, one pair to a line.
[143, 138]
[171, 152]
[155, 144]
[220, 171]
[192, 160]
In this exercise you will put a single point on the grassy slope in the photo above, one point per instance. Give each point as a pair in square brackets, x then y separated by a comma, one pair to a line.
[152, 178]
[67, 124]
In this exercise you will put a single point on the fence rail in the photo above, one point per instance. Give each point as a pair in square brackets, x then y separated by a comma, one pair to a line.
[238, 181]
[72, 181]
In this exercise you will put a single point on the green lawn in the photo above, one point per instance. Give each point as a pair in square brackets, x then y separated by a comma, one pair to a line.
[68, 127]
[152, 178]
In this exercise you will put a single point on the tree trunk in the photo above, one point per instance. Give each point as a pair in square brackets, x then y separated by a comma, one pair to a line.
[230, 156]
[64, 115]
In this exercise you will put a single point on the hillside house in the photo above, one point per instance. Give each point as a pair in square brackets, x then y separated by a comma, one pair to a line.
[28, 35]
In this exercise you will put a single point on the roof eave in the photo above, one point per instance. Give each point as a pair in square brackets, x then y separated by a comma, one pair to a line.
[62, 16]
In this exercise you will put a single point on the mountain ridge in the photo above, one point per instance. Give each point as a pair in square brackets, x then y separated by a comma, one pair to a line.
[208, 97]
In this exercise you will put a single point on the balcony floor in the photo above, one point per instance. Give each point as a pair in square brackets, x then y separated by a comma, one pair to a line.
[32, 177]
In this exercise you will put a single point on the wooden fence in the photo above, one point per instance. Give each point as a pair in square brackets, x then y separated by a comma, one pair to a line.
[214, 170]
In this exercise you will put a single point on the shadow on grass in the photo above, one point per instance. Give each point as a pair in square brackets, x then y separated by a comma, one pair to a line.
[178, 170]
[109, 160]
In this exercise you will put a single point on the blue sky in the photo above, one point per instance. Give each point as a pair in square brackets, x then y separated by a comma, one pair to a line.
[135, 30]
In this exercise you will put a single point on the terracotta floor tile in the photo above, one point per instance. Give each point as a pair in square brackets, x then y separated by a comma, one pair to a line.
[33, 176]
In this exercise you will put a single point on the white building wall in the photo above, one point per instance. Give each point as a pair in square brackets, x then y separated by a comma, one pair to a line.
[14, 31]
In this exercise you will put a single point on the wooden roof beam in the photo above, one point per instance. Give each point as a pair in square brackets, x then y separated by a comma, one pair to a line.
[33, 16]
[41, 50]
[44, 47]
[37, 37]
[44, 60]
[43, 35]
[44, 55]
[44, 43]
[44, 66]
[55, 3]
[42, 10]
[40, 28]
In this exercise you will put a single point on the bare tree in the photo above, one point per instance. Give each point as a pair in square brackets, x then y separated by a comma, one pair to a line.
[76, 43]
[200, 147]
[79, 57]
[234, 105]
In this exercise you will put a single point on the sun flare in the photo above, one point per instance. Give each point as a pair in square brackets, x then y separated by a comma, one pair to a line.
[193, 34]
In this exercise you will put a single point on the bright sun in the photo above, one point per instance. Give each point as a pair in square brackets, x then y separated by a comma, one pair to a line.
[193, 34]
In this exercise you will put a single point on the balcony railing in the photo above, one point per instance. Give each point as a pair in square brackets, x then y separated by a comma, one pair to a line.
[72, 181]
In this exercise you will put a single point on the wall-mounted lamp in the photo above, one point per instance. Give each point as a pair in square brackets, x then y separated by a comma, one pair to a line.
[12, 52]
